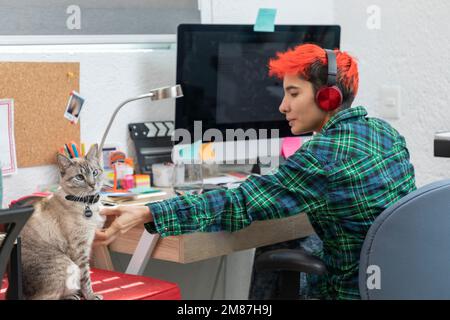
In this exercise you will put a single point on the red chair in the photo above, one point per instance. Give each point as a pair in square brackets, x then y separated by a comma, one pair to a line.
[120, 286]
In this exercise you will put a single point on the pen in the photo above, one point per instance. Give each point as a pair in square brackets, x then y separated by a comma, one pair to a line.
[69, 151]
[74, 149]
[66, 151]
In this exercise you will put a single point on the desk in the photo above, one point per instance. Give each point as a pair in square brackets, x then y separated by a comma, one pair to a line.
[200, 245]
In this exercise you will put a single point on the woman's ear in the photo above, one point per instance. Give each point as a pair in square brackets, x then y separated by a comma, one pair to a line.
[93, 153]
[63, 163]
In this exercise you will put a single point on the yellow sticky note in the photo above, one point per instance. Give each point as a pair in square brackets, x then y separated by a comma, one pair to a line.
[207, 151]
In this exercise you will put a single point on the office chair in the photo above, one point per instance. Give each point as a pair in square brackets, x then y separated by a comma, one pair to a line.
[14, 220]
[408, 244]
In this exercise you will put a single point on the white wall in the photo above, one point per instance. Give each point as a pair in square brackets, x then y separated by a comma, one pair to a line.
[410, 50]
[288, 11]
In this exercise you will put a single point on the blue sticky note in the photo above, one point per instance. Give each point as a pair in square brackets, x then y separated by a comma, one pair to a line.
[191, 151]
[265, 22]
[185, 152]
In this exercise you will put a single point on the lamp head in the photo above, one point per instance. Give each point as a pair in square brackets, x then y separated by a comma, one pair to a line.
[166, 92]
[155, 94]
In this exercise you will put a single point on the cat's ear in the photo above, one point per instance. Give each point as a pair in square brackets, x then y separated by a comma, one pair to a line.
[63, 163]
[93, 153]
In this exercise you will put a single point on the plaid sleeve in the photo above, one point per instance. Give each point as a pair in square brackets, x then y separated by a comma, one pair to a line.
[299, 185]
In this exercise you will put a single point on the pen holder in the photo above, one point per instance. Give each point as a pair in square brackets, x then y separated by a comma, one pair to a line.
[162, 174]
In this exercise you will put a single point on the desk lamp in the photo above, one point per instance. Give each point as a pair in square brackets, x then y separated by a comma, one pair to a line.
[153, 95]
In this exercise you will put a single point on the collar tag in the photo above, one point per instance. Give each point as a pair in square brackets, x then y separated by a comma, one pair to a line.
[87, 212]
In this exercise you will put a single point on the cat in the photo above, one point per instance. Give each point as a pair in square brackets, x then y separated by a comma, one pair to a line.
[57, 239]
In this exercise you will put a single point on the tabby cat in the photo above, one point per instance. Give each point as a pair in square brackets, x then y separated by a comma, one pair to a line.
[57, 239]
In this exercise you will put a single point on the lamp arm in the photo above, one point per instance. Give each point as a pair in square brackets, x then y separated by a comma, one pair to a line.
[148, 95]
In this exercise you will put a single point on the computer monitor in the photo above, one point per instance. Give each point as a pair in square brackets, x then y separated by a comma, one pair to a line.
[223, 72]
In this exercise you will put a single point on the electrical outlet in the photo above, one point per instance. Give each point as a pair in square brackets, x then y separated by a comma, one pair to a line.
[389, 102]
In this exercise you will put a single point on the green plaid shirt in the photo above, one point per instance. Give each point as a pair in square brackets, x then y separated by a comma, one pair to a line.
[342, 178]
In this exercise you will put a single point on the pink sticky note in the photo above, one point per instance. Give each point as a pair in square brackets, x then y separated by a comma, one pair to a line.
[290, 145]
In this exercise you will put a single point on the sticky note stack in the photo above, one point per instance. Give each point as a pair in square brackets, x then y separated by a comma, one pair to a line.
[142, 180]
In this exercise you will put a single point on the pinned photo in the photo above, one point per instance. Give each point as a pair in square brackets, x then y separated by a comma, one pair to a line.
[74, 107]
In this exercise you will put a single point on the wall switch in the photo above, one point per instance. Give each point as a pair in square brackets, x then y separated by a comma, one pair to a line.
[389, 102]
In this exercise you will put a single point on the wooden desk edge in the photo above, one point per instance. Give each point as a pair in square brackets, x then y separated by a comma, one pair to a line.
[185, 248]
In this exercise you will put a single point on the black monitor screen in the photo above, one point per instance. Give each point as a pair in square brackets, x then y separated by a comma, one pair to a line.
[223, 71]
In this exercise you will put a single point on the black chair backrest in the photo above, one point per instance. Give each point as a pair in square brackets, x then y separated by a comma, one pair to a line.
[15, 220]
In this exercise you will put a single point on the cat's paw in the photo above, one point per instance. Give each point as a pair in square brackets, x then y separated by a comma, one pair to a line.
[73, 297]
[94, 297]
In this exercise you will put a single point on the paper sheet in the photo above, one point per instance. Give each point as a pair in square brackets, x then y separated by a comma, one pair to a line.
[220, 180]
[8, 161]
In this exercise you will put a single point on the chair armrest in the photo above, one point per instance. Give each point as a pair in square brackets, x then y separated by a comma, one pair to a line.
[15, 273]
[290, 260]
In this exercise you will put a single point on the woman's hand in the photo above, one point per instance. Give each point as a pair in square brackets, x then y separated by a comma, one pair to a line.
[119, 220]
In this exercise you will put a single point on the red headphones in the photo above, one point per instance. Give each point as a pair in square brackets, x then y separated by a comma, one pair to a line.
[329, 97]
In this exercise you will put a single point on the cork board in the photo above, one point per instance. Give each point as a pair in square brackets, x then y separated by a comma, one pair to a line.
[40, 91]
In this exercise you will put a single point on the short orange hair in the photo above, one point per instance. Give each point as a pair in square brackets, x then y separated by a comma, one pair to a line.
[308, 61]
